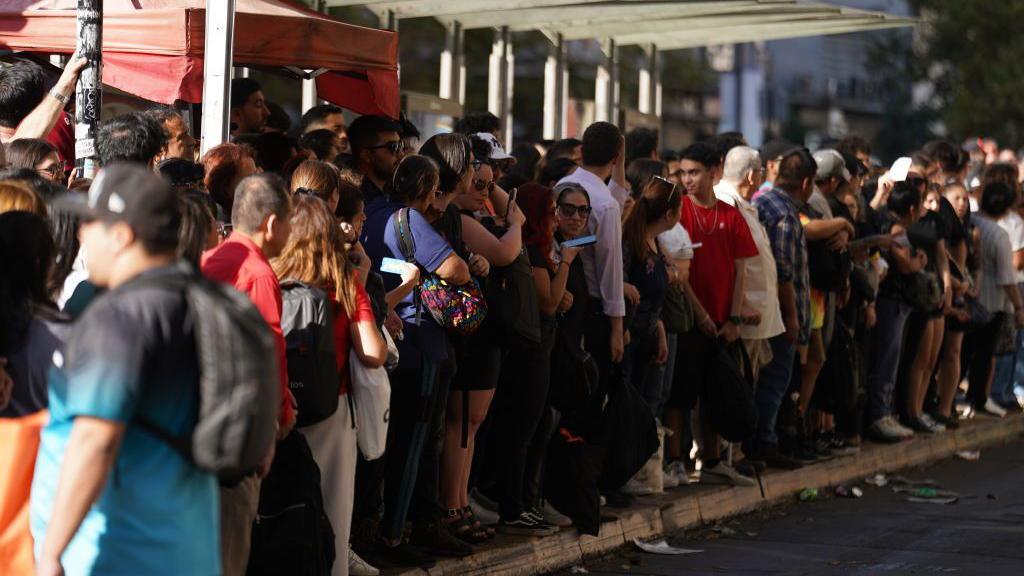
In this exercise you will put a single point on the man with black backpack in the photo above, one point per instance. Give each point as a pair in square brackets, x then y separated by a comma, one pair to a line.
[261, 228]
[109, 496]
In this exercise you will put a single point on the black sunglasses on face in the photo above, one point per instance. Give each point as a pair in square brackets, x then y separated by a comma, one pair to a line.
[395, 146]
[476, 164]
[480, 185]
[570, 210]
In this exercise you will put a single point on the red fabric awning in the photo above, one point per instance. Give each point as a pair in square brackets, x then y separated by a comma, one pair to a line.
[154, 48]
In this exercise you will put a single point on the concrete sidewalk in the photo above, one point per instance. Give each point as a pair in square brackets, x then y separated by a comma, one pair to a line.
[691, 506]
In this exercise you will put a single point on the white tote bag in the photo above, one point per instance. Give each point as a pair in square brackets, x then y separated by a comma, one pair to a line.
[371, 393]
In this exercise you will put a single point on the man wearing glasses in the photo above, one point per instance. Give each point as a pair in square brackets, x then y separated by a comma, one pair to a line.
[376, 149]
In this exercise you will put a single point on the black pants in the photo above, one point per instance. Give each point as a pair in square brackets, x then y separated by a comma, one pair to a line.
[597, 331]
[425, 505]
[977, 354]
[537, 452]
[518, 407]
[413, 411]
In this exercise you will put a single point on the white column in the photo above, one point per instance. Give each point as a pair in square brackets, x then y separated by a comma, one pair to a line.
[649, 81]
[453, 64]
[554, 90]
[220, 41]
[606, 97]
[499, 80]
[308, 94]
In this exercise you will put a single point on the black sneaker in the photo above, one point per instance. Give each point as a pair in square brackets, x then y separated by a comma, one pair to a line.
[951, 423]
[537, 516]
[438, 540]
[525, 525]
[774, 458]
[402, 556]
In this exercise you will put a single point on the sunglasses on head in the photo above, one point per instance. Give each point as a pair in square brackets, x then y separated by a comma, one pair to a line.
[395, 146]
[916, 181]
[570, 210]
[666, 182]
[480, 185]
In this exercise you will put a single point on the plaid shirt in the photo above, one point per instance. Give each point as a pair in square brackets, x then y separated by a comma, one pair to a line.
[779, 213]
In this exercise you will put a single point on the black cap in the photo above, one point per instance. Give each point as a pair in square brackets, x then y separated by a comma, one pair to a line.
[777, 148]
[132, 194]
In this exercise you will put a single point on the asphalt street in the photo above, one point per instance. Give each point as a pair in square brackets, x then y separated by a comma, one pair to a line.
[880, 533]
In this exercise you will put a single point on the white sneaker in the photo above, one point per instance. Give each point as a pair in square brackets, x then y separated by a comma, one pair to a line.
[553, 516]
[358, 567]
[636, 488]
[900, 429]
[993, 409]
[676, 471]
[722, 473]
[932, 424]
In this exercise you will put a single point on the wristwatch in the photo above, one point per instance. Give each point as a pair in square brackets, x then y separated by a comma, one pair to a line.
[59, 97]
[735, 320]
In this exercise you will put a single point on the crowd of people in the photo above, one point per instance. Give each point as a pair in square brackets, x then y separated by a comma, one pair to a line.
[531, 314]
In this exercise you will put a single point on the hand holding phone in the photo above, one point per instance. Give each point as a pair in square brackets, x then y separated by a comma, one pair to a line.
[511, 198]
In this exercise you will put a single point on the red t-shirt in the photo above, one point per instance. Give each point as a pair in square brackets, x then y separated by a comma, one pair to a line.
[239, 262]
[724, 237]
[342, 341]
[63, 139]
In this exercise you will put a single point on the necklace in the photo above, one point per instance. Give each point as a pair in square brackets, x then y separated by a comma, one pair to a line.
[701, 223]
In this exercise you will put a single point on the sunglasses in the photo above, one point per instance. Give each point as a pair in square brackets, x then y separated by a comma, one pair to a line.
[480, 185]
[570, 210]
[667, 182]
[476, 164]
[55, 170]
[916, 181]
[395, 146]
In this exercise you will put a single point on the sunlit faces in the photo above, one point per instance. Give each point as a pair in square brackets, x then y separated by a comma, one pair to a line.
[572, 213]
[696, 178]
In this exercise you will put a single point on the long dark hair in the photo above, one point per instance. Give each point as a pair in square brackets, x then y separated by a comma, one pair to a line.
[26, 256]
[536, 201]
[659, 197]
[415, 177]
[28, 152]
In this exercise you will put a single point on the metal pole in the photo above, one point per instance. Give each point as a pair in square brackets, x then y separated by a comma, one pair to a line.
[89, 92]
[220, 42]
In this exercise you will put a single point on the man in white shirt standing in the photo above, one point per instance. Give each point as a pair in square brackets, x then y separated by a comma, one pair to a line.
[762, 318]
[604, 161]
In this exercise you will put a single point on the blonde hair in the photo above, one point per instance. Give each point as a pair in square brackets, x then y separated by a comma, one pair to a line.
[317, 177]
[315, 252]
[16, 196]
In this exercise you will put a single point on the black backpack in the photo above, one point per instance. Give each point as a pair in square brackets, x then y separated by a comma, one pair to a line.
[729, 393]
[307, 320]
[511, 294]
[838, 388]
[292, 534]
[238, 380]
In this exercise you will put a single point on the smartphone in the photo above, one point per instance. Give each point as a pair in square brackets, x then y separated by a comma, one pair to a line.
[511, 198]
[392, 265]
[581, 241]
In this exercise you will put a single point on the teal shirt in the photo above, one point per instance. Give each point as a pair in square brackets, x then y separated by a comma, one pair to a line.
[132, 352]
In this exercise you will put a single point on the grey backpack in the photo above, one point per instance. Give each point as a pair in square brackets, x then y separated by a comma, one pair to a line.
[239, 394]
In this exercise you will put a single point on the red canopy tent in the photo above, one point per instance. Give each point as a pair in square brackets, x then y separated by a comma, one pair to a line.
[154, 48]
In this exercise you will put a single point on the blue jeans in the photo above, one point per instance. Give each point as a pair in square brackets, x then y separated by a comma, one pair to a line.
[771, 387]
[1007, 365]
[658, 382]
[885, 356]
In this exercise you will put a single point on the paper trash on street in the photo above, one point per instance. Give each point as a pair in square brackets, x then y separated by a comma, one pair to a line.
[662, 547]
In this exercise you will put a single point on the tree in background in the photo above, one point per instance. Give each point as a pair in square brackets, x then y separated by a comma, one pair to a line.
[906, 124]
[973, 54]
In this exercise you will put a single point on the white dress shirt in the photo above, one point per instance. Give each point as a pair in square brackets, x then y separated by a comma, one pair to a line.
[761, 284]
[602, 262]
